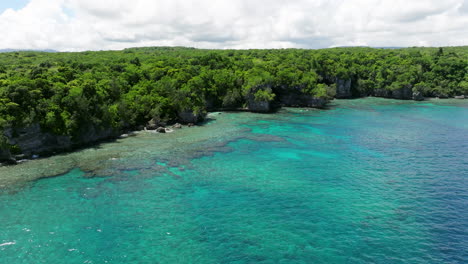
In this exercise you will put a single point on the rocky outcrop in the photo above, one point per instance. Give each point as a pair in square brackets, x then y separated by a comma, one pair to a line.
[301, 100]
[417, 96]
[459, 97]
[259, 106]
[297, 97]
[260, 98]
[91, 134]
[154, 123]
[343, 88]
[33, 141]
[177, 126]
[5, 156]
[188, 116]
[161, 130]
[404, 93]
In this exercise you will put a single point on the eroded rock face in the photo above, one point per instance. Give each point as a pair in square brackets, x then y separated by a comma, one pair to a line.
[259, 106]
[417, 96]
[405, 93]
[91, 134]
[302, 100]
[5, 156]
[343, 88]
[33, 141]
[296, 97]
[154, 123]
[189, 116]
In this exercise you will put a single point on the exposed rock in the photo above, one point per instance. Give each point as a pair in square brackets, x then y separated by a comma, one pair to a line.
[382, 93]
[460, 97]
[343, 88]
[254, 104]
[5, 154]
[5, 157]
[90, 134]
[177, 126]
[189, 116]
[161, 130]
[259, 106]
[20, 157]
[301, 100]
[441, 96]
[296, 97]
[417, 96]
[403, 93]
[190, 124]
[32, 140]
[153, 124]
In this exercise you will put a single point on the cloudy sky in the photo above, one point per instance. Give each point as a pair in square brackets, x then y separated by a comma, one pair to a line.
[73, 25]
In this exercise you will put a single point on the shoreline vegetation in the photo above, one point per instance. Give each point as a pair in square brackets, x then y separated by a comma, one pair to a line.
[58, 102]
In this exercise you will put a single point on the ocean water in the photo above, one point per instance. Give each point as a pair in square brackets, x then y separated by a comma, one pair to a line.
[366, 181]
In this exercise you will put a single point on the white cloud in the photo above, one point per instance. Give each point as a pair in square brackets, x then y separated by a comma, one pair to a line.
[116, 24]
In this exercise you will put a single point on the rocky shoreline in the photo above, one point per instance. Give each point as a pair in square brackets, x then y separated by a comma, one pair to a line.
[32, 142]
[35, 143]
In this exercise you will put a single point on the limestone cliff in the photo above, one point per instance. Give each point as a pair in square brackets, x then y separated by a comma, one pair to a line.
[5, 156]
[343, 88]
[404, 93]
[259, 99]
[32, 140]
[297, 97]
[189, 116]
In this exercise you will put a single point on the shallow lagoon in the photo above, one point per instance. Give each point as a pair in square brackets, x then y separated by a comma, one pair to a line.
[368, 180]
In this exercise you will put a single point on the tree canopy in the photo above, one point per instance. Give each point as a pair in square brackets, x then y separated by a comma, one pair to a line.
[123, 89]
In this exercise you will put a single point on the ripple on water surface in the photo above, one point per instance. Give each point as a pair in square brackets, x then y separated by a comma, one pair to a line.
[368, 181]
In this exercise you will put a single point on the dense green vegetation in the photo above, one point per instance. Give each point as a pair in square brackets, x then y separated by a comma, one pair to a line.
[64, 92]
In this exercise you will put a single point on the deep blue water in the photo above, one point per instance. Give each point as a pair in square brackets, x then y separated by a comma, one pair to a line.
[367, 181]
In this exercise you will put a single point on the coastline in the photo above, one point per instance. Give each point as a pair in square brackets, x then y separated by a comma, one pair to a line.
[114, 136]
[210, 136]
[171, 149]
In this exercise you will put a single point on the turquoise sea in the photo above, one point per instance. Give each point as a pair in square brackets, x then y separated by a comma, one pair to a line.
[366, 181]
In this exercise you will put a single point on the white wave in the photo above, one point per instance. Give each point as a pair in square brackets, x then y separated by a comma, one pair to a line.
[7, 244]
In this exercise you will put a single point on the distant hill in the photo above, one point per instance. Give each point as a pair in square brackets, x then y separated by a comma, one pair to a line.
[390, 47]
[15, 50]
[371, 47]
